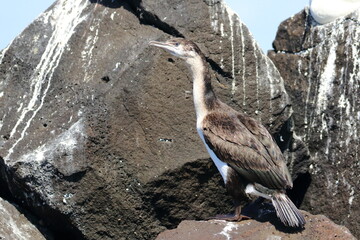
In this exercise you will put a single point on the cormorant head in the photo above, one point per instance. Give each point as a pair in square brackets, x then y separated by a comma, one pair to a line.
[179, 47]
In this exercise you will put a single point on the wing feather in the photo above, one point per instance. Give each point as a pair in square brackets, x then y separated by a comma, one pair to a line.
[248, 147]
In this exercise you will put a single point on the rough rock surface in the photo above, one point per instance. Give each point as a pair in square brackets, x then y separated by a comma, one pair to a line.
[318, 227]
[321, 69]
[98, 130]
[14, 225]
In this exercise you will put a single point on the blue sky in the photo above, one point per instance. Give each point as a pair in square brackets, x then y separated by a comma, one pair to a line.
[15, 17]
[261, 16]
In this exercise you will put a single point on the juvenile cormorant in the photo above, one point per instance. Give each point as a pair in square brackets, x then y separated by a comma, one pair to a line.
[244, 152]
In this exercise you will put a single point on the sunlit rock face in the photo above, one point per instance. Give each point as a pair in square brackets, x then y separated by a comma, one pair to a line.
[321, 70]
[98, 134]
[317, 227]
[14, 225]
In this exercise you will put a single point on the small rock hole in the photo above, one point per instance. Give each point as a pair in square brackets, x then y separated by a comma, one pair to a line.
[106, 79]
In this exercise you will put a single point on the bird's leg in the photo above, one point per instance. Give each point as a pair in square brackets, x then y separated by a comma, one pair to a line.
[236, 217]
[235, 188]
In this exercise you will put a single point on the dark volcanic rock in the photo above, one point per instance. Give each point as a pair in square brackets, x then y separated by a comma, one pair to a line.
[322, 75]
[98, 130]
[290, 39]
[317, 227]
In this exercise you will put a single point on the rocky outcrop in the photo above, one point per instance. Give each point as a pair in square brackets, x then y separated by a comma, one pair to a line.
[15, 226]
[321, 73]
[317, 227]
[97, 129]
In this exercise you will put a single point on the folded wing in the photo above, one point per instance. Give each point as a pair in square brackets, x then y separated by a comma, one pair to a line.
[248, 147]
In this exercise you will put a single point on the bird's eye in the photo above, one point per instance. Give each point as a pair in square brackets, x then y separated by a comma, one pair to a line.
[177, 44]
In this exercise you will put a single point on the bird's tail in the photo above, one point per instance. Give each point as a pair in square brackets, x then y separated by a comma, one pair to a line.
[287, 211]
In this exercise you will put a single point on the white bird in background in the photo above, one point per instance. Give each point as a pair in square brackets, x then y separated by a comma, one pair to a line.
[325, 11]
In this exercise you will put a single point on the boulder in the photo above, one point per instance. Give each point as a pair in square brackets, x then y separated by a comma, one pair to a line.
[14, 225]
[97, 129]
[317, 227]
[321, 70]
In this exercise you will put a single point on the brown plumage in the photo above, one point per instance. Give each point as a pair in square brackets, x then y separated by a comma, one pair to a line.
[247, 146]
[244, 152]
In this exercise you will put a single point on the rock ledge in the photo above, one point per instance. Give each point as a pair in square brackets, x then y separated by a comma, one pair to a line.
[317, 227]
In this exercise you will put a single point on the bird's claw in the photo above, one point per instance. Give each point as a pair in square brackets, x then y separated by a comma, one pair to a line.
[230, 217]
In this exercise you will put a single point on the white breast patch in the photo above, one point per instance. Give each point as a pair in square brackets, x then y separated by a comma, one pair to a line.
[221, 166]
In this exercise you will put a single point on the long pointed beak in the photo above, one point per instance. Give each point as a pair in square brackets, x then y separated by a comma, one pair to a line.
[159, 44]
[162, 45]
[168, 47]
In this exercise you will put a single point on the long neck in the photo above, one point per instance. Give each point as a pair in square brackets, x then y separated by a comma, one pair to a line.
[204, 97]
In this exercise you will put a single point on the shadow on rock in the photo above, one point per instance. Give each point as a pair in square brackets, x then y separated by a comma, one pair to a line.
[194, 191]
[110, 3]
[262, 211]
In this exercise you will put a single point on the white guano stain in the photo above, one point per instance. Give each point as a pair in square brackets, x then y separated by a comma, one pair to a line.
[230, 226]
[273, 237]
[3, 52]
[20, 107]
[273, 87]
[333, 87]
[67, 197]
[326, 80]
[214, 18]
[112, 16]
[309, 82]
[231, 16]
[243, 62]
[65, 17]
[222, 33]
[65, 142]
[227, 15]
[87, 53]
[351, 198]
[117, 65]
[256, 72]
[350, 188]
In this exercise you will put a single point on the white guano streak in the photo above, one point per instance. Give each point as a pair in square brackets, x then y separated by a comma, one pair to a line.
[272, 87]
[87, 53]
[243, 62]
[214, 15]
[256, 72]
[228, 228]
[326, 80]
[325, 88]
[231, 15]
[214, 8]
[3, 52]
[65, 17]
